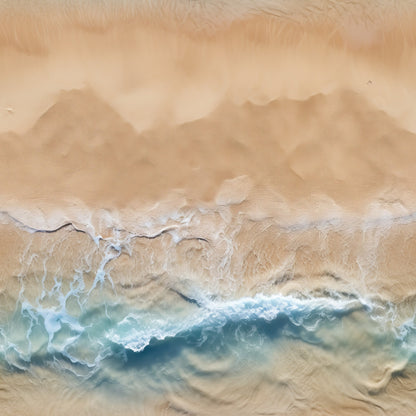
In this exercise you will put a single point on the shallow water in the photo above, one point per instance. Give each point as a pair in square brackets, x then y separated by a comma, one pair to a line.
[207, 208]
[178, 345]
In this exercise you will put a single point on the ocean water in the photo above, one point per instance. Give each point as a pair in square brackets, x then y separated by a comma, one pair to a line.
[207, 207]
[169, 343]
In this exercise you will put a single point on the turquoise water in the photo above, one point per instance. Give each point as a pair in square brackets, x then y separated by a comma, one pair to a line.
[99, 337]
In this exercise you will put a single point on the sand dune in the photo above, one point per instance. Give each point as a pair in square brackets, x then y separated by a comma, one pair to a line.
[336, 145]
[207, 207]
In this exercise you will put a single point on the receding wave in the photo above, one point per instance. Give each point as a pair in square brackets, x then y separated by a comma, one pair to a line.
[73, 308]
[207, 207]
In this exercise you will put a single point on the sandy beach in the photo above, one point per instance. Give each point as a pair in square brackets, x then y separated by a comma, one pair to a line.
[207, 208]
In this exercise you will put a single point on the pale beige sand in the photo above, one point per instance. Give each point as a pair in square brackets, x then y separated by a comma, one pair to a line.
[134, 112]
[250, 153]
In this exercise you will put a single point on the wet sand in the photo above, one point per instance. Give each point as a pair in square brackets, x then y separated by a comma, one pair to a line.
[166, 155]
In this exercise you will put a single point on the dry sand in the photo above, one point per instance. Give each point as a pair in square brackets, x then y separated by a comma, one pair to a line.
[259, 147]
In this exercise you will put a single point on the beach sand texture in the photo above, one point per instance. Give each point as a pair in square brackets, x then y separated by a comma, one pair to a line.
[207, 207]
